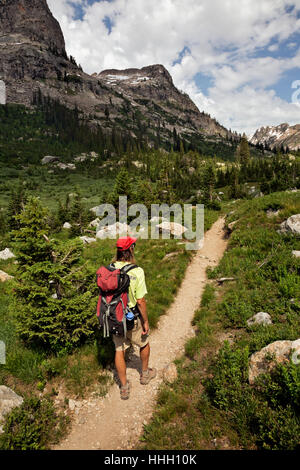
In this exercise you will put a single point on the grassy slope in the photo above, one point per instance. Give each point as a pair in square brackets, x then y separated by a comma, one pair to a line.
[211, 404]
[29, 370]
[25, 139]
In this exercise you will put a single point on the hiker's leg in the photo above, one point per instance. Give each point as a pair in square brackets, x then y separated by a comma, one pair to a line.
[121, 366]
[144, 355]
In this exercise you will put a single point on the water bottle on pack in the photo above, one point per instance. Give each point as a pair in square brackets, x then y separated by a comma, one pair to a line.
[129, 315]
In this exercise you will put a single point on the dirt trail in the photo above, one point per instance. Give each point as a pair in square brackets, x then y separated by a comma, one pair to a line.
[111, 423]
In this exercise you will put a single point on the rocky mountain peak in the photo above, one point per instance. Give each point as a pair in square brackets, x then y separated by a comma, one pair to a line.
[136, 76]
[283, 135]
[33, 61]
[22, 20]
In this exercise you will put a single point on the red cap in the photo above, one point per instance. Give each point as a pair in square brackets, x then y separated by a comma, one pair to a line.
[125, 243]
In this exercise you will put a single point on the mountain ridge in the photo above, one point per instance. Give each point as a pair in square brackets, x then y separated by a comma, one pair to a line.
[281, 136]
[152, 107]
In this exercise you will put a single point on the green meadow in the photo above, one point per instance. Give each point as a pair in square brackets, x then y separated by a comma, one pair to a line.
[212, 405]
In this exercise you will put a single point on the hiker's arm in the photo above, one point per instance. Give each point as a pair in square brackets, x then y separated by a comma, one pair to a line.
[143, 309]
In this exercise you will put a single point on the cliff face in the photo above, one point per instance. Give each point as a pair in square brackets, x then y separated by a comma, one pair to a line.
[33, 57]
[278, 136]
[153, 90]
[30, 20]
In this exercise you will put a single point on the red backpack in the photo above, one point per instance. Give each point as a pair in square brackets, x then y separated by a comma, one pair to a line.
[112, 304]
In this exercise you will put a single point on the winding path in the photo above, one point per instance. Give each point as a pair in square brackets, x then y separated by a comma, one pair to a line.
[114, 424]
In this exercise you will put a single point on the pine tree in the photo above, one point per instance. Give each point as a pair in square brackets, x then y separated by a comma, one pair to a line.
[18, 198]
[244, 151]
[234, 188]
[209, 182]
[145, 193]
[54, 306]
[3, 222]
[122, 187]
[78, 215]
[63, 214]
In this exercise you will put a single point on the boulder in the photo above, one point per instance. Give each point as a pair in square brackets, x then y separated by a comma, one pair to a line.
[4, 276]
[49, 159]
[84, 156]
[87, 240]
[261, 318]
[94, 155]
[112, 231]
[138, 164]
[8, 400]
[171, 228]
[265, 360]
[94, 223]
[270, 213]
[67, 225]
[80, 158]
[169, 373]
[96, 210]
[296, 253]
[221, 280]
[6, 254]
[291, 225]
[66, 166]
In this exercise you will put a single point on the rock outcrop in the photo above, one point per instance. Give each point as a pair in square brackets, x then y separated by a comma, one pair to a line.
[152, 88]
[261, 318]
[8, 400]
[6, 254]
[32, 20]
[113, 231]
[265, 360]
[171, 228]
[32, 49]
[87, 240]
[5, 277]
[291, 225]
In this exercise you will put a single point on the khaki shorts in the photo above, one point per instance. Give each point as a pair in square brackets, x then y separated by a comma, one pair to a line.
[133, 336]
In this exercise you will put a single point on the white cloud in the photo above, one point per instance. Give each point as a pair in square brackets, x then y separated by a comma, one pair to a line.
[223, 38]
[273, 48]
[249, 108]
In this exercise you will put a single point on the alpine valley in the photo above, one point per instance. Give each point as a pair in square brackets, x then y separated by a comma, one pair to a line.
[80, 152]
[139, 102]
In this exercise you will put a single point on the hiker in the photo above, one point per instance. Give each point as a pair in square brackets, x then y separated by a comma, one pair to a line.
[139, 335]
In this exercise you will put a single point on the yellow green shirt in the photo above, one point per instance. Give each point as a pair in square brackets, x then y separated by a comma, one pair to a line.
[137, 286]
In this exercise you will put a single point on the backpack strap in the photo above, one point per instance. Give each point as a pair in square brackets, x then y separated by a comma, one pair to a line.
[128, 267]
[135, 310]
[125, 269]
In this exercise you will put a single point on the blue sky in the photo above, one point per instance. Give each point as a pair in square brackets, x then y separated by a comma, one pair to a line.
[236, 59]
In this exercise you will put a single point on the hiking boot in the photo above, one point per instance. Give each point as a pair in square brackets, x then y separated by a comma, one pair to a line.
[125, 391]
[147, 375]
